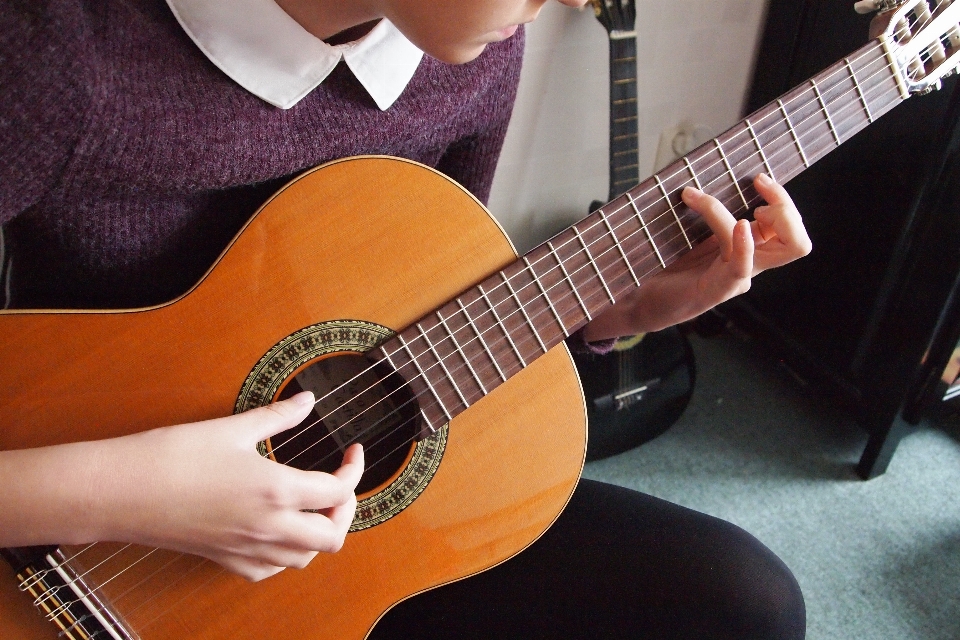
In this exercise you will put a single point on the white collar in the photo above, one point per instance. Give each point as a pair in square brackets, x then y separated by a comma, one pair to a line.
[269, 54]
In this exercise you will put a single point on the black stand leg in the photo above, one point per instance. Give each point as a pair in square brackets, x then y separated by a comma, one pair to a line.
[880, 447]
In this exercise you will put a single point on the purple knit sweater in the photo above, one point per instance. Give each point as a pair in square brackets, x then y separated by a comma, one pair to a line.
[128, 160]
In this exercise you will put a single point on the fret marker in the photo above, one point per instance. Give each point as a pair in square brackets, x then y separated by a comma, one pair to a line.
[666, 197]
[726, 162]
[796, 138]
[823, 104]
[643, 224]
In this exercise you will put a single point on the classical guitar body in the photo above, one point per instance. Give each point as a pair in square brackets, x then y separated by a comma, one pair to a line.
[354, 247]
[384, 262]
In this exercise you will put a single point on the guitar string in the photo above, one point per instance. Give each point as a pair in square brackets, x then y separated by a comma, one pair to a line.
[748, 207]
[747, 143]
[734, 199]
[460, 368]
[536, 278]
[755, 199]
[739, 164]
[733, 196]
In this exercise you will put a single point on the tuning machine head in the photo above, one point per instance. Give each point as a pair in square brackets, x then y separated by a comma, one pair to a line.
[869, 6]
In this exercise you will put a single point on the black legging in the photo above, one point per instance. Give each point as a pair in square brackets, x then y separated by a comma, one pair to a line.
[617, 564]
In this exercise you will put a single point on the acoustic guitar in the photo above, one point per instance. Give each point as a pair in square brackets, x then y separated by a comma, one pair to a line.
[433, 344]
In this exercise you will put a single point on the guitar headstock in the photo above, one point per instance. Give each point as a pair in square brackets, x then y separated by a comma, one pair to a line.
[615, 15]
[922, 38]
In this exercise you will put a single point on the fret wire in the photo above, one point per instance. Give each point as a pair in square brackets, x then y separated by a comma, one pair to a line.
[586, 250]
[453, 382]
[628, 119]
[833, 128]
[646, 230]
[625, 136]
[666, 197]
[566, 275]
[693, 174]
[403, 344]
[796, 138]
[616, 242]
[496, 317]
[624, 81]
[733, 177]
[543, 292]
[456, 345]
[863, 98]
[626, 152]
[763, 156]
[483, 342]
[523, 311]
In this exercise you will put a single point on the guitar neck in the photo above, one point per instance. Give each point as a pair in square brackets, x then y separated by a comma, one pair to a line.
[472, 344]
[624, 169]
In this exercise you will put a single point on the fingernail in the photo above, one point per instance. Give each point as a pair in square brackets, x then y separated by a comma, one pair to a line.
[764, 179]
[304, 397]
[691, 191]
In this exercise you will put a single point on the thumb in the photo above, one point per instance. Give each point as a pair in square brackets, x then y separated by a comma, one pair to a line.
[263, 422]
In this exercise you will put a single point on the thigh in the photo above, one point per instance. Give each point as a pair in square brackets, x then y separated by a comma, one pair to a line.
[617, 564]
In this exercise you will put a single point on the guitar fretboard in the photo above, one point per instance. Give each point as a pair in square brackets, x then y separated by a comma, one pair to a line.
[458, 354]
[624, 168]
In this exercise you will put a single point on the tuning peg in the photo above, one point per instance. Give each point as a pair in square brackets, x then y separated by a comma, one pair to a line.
[869, 6]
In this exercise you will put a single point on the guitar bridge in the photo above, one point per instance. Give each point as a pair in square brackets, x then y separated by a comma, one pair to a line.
[64, 598]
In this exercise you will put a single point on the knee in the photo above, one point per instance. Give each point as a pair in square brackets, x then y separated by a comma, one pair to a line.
[763, 598]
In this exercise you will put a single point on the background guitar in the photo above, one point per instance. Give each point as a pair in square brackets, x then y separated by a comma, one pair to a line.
[638, 390]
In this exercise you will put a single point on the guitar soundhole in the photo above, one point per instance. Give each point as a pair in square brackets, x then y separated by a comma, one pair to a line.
[358, 401]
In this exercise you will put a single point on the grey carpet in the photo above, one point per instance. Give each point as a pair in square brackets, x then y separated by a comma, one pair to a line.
[877, 559]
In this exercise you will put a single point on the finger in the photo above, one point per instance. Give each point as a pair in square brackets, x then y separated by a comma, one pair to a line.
[315, 489]
[717, 217]
[351, 469]
[271, 419]
[247, 568]
[277, 555]
[780, 217]
[741, 258]
[324, 531]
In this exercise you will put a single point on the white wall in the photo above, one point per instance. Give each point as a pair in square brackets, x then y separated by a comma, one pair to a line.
[694, 63]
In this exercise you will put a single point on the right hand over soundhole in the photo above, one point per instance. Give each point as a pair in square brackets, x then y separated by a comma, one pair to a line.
[200, 488]
[203, 488]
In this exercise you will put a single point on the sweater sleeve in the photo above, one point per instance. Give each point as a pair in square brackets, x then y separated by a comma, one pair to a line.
[42, 72]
